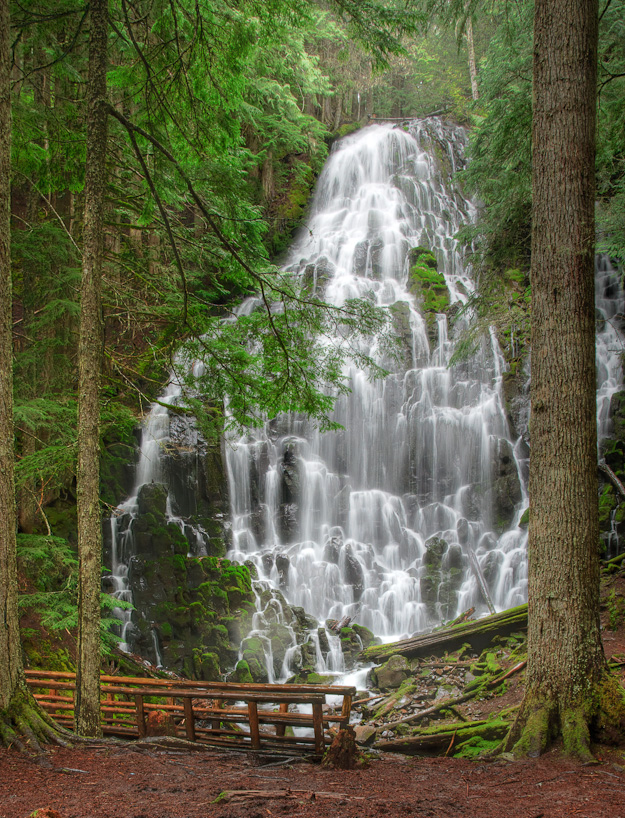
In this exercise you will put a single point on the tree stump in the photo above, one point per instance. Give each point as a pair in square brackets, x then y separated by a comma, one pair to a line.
[160, 723]
[342, 753]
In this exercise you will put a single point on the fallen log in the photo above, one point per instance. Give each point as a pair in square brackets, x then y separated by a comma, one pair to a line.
[603, 467]
[477, 633]
[479, 577]
[439, 739]
[444, 704]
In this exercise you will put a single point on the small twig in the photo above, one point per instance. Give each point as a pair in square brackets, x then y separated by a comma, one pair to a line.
[451, 743]
[513, 670]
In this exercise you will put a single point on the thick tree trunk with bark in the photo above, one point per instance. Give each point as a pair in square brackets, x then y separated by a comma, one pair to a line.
[89, 374]
[20, 718]
[566, 671]
[10, 652]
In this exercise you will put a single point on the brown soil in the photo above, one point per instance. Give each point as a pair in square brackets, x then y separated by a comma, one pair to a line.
[122, 783]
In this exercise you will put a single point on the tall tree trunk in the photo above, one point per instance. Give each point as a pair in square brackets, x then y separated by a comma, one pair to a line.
[566, 670]
[472, 63]
[338, 113]
[11, 671]
[89, 374]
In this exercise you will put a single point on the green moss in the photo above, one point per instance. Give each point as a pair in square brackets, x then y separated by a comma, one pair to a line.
[536, 731]
[318, 679]
[476, 747]
[349, 127]
[242, 673]
[366, 636]
[206, 665]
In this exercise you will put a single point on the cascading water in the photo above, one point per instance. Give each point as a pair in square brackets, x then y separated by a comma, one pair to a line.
[149, 470]
[396, 519]
[377, 521]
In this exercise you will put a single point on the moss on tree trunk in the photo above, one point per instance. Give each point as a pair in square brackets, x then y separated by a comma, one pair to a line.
[89, 374]
[566, 671]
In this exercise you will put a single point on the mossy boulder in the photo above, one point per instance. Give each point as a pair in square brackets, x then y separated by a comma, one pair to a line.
[152, 499]
[351, 646]
[310, 678]
[253, 652]
[365, 635]
[206, 666]
[195, 607]
[392, 673]
[242, 673]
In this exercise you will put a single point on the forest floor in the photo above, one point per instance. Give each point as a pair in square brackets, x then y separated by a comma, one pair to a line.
[122, 783]
[128, 781]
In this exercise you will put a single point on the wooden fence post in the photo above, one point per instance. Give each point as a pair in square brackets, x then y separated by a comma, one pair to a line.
[189, 719]
[252, 711]
[140, 716]
[317, 710]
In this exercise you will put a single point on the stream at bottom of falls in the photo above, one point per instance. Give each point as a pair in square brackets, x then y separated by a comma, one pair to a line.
[410, 513]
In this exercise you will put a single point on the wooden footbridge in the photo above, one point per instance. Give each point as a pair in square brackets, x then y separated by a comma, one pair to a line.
[236, 716]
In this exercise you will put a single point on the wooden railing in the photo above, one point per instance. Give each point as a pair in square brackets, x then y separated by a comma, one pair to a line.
[240, 716]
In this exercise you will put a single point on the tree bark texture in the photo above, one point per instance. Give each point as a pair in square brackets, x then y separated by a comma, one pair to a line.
[11, 671]
[89, 375]
[565, 654]
[475, 93]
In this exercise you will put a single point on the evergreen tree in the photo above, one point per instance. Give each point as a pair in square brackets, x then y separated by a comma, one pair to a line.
[20, 718]
[87, 707]
[568, 688]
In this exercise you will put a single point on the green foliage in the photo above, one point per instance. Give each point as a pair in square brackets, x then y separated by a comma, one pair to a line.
[499, 171]
[610, 131]
[51, 568]
[48, 562]
[615, 605]
[269, 362]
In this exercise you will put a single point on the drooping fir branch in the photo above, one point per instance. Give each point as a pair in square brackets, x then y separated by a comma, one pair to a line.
[262, 281]
[166, 222]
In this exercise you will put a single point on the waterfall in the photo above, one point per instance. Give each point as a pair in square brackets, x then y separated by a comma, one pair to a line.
[398, 519]
[378, 521]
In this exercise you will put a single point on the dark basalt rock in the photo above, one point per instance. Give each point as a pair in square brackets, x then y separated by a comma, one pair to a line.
[288, 522]
[152, 499]
[352, 572]
[441, 577]
[505, 494]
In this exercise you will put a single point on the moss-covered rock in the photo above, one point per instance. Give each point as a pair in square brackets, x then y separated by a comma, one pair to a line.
[194, 606]
[392, 673]
[428, 287]
[365, 635]
[242, 673]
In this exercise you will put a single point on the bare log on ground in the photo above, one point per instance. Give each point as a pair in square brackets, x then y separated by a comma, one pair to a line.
[310, 795]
